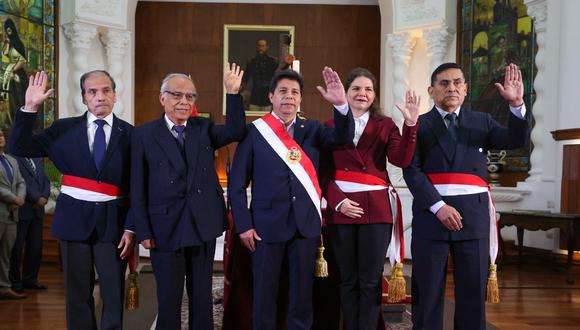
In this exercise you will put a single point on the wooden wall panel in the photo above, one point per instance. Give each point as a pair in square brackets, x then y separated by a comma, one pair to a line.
[570, 194]
[188, 38]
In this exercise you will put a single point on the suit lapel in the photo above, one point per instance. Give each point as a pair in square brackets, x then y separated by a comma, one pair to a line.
[82, 141]
[192, 140]
[463, 134]
[368, 136]
[445, 142]
[14, 164]
[116, 132]
[299, 131]
[169, 146]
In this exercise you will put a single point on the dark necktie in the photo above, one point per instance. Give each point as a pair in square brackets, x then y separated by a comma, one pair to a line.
[100, 144]
[8, 168]
[451, 119]
[179, 129]
[31, 165]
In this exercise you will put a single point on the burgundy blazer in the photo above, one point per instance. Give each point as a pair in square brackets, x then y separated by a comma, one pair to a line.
[380, 139]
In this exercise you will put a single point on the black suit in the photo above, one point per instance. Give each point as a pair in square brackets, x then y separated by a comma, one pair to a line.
[431, 243]
[31, 219]
[178, 202]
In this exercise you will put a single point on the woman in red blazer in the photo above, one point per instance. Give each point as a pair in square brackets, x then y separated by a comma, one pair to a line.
[356, 186]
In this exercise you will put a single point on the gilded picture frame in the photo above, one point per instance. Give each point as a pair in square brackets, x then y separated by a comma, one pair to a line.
[260, 50]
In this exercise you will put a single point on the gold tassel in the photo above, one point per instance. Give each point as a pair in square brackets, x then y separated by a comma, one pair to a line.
[321, 267]
[397, 284]
[132, 295]
[492, 285]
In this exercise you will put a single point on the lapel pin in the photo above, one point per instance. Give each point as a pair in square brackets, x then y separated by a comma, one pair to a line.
[480, 149]
[301, 126]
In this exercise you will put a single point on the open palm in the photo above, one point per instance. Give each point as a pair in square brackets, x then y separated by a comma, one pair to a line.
[233, 78]
[411, 110]
[512, 89]
[36, 92]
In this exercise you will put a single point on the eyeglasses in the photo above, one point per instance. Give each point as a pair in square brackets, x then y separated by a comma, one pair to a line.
[177, 96]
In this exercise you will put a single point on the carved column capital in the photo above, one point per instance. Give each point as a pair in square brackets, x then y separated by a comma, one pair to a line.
[80, 35]
[538, 10]
[438, 40]
[115, 42]
[402, 45]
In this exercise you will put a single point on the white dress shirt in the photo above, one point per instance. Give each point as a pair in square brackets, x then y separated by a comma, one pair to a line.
[92, 128]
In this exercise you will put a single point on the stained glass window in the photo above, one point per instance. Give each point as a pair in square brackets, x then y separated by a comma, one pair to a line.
[495, 33]
[28, 45]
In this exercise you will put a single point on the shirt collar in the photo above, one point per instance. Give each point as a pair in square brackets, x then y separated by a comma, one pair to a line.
[170, 124]
[363, 119]
[443, 113]
[108, 119]
[280, 120]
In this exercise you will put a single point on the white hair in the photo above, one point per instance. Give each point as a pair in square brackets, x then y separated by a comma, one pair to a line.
[171, 76]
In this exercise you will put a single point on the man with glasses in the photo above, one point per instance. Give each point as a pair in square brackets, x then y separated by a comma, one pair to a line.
[92, 152]
[177, 201]
[452, 209]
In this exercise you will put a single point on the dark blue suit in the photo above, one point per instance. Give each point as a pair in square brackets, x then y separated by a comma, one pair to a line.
[437, 152]
[31, 219]
[283, 216]
[177, 201]
[89, 232]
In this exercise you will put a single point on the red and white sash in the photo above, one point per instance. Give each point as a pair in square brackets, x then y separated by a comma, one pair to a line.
[90, 190]
[292, 154]
[457, 184]
[350, 182]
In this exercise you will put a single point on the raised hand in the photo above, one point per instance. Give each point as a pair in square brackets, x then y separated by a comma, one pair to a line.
[512, 89]
[334, 92]
[36, 92]
[411, 110]
[233, 78]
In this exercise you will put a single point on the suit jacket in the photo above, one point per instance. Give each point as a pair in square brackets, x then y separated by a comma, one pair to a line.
[477, 133]
[175, 194]
[37, 185]
[65, 142]
[280, 204]
[380, 138]
[9, 191]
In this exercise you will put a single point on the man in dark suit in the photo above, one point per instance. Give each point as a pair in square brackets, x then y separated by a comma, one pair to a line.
[93, 153]
[29, 233]
[177, 201]
[452, 212]
[279, 156]
[12, 192]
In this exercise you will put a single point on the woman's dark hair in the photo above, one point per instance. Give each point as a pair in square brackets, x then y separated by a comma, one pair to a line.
[362, 72]
[13, 38]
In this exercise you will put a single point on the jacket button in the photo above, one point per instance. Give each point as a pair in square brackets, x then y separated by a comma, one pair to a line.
[204, 169]
[346, 168]
[207, 148]
[364, 168]
[293, 198]
[172, 182]
[199, 191]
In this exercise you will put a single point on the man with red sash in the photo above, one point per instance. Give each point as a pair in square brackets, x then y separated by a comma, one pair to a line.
[279, 156]
[452, 210]
[92, 152]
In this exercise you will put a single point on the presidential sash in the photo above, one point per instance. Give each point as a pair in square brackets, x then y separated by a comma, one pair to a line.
[457, 184]
[350, 181]
[292, 154]
[90, 190]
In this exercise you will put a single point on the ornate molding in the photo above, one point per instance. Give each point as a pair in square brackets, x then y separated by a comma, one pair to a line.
[438, 40]
[115, 42]
[412, 14]
[80, 35]
[538, 10]
[508, 194]
[102, 12]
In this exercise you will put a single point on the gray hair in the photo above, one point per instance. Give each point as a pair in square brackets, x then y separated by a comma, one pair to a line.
[171, 76]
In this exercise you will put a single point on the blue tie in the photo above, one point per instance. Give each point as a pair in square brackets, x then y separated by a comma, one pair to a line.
[100, 144]
[179, 129]
[8, 168]
[450, 118]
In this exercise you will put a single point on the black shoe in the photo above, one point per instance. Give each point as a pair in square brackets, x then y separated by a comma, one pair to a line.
[10, 294]
[35, 286]
[17, 287]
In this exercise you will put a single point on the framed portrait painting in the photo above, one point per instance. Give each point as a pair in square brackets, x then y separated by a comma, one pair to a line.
[260, 50]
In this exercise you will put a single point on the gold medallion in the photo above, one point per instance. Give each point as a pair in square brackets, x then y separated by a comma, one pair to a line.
[294, 155]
